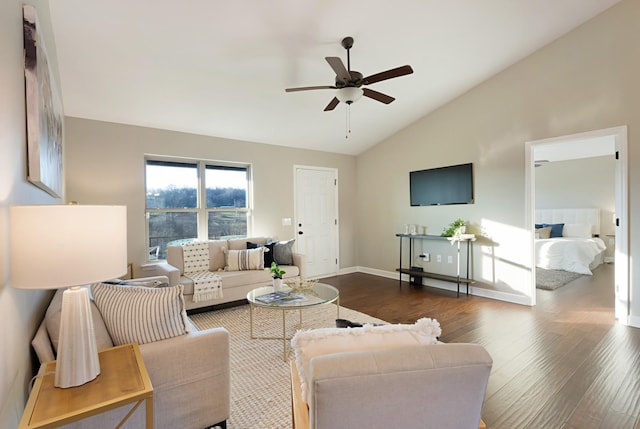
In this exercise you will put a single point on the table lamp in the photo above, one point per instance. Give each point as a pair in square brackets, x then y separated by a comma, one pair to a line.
[69, 246]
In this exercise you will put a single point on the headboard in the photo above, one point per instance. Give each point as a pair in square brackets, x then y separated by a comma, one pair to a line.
[590, 216]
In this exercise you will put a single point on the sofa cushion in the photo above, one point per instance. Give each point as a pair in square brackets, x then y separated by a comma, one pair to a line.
[308, 344]
[52, 323]
[243, 260]
[216, 254]
[134, 314]
[232, 279]
[283, 252]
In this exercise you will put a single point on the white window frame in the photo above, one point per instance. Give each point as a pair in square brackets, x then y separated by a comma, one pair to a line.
[202, 212]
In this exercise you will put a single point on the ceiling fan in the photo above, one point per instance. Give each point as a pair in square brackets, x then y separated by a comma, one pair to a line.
[349, 82]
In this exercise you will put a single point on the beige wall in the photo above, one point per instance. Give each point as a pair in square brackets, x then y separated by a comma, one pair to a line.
[587, 80]
[106, 166]
[579, 183]
[20, 311]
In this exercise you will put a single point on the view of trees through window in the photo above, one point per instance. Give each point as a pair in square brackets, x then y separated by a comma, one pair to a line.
[194, 200]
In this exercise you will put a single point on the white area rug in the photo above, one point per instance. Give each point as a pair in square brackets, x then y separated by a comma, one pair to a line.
[260, 383]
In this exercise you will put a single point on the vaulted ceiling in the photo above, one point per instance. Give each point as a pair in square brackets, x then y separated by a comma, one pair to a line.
[220, 67]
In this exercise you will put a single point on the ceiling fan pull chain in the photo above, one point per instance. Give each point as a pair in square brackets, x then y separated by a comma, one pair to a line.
[347, 127]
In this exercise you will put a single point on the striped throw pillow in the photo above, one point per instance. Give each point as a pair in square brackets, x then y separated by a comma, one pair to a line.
[242, 260]
[137, 314]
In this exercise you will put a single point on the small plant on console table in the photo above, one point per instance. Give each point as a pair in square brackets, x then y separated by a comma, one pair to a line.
[455, 228]
[276, 273]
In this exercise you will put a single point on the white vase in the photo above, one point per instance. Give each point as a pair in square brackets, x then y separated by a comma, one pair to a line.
[277, 284]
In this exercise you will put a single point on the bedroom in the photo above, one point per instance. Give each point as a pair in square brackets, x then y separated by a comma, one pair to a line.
[575, 176]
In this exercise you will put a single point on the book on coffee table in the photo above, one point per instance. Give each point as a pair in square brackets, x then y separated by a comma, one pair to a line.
[280, 298]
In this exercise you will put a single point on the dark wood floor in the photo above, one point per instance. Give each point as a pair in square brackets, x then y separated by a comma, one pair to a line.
[564, 363]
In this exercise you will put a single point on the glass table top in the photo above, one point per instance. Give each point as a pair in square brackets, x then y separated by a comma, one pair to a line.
[286, 297]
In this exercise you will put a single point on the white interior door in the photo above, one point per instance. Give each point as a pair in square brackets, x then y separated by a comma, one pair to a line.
[316, 219]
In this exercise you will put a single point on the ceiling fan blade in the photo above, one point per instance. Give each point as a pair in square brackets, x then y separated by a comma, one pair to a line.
[308, 88]
[332, 104]
[338, 66]
[389, 74]
[383, 98]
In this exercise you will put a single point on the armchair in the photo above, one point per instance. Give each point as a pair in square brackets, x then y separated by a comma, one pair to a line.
[190, 374]
[425, 386]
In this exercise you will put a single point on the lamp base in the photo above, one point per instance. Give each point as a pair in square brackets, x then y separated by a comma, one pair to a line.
[77, 361]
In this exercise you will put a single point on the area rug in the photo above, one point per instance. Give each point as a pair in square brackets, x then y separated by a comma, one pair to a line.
[553, 279]
[260, 383]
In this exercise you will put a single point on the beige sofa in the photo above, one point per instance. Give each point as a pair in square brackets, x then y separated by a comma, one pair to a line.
[235, 284]
[190, 375]
[438, 386]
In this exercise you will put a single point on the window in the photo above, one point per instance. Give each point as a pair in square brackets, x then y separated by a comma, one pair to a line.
[187, 200]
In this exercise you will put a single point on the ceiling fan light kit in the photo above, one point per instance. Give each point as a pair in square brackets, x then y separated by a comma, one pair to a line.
[349, 94]
[348, 82]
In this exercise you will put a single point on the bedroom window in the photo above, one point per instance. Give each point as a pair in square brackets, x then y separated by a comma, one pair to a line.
[188, 200]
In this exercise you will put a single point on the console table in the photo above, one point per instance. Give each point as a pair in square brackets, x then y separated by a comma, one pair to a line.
[466, 238]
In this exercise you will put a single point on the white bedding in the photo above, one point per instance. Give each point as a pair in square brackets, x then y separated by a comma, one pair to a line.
[568, 254]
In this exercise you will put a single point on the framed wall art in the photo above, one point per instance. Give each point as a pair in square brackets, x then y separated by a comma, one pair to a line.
[43, 111]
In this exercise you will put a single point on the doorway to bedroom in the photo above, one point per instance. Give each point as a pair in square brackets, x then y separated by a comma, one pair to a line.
[569, 174]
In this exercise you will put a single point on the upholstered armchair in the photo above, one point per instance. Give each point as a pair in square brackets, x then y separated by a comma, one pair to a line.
[439, 386]
[190, 372]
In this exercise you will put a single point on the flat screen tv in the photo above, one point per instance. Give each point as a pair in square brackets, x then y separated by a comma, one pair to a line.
[442, 186]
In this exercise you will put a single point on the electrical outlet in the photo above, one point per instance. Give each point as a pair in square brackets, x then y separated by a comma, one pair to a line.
[439, 258]
[427, 257]
[450, 259]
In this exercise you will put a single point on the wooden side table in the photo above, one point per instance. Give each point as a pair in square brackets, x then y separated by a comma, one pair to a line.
[123, 380]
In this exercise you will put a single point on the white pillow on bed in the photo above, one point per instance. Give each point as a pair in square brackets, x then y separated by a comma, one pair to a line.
[577, 230]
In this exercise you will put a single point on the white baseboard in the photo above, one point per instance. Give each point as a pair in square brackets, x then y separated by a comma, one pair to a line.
[634, 321]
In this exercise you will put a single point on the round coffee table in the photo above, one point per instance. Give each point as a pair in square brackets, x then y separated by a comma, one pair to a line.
[291, 299]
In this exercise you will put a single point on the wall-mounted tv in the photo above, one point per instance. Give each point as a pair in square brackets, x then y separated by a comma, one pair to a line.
[442, 186]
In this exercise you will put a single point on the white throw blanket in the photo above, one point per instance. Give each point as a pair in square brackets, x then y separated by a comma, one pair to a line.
[206, 285]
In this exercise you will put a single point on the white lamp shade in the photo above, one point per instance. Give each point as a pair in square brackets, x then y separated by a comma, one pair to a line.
[55, 246]
[349, 94]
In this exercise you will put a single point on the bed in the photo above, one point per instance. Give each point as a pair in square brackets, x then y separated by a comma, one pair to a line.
[567, 239]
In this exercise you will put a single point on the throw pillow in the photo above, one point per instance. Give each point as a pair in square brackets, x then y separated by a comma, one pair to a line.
[556, 229]
[268, 251]
[242, 260]
[283, 252]
[138, 314]
[307, 344]
[543, 232]
[576, 230]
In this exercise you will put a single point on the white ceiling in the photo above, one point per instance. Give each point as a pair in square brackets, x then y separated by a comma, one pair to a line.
[219, 67]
